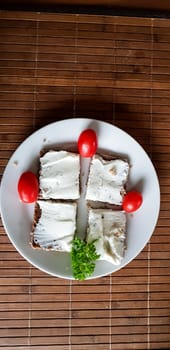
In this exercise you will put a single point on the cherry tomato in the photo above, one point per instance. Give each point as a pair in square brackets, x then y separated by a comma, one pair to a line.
[28, 187]
[132, 201]
[87, 143]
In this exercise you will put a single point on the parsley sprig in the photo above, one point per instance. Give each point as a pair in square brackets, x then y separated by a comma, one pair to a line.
[83, 256]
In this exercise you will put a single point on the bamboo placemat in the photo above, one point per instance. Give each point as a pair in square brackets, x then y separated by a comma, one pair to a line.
[117, 69]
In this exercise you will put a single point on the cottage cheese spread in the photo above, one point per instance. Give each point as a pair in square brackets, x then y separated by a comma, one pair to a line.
[107, 227]
[59, 175]
[106, 180]
[56, 227]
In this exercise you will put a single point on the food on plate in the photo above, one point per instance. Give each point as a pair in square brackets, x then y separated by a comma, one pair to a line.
[132, 201]
[107, 229]
[28, 187]
[59, 175]
[54, 225]
[83, 256]
[107, 180]
[87, 143]
[55, 215]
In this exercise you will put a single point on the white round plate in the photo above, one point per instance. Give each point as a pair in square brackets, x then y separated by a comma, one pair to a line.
[17, 217]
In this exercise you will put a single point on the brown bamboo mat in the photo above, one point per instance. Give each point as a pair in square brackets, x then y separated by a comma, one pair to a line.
[117, 69]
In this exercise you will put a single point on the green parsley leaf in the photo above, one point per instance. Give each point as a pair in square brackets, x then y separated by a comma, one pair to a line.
[83, 256]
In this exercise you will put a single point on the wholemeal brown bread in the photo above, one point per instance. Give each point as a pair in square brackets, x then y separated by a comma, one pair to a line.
[107, 229]
[59, 175]
[107, 181]
[54, 225]
[37, 215]
[49, 232]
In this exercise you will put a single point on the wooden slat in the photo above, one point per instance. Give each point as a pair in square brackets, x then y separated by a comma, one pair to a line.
[110, 68]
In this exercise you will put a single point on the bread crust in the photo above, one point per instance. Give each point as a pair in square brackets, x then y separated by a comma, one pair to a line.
[37, 215]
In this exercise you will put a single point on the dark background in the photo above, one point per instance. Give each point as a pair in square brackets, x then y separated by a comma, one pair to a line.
[148, 8]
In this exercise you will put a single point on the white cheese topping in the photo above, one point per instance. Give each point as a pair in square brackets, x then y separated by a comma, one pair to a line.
[106, 180]
[56, 227]
[59, 175]
[107, 227]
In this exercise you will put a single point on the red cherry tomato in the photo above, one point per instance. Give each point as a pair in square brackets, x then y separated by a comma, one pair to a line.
[132, 201]
[28, 187]
[87, 143]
